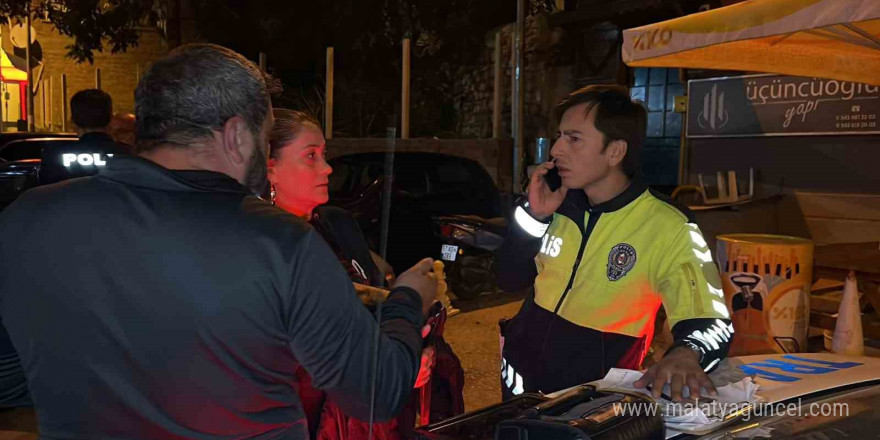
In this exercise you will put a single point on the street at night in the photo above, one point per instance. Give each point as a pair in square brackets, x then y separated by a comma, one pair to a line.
[439, 220]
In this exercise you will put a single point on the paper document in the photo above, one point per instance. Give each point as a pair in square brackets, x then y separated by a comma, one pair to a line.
[736, 392]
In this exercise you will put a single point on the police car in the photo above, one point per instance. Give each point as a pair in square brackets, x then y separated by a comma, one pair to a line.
[30, 148]
[817, 396]
[25, 163]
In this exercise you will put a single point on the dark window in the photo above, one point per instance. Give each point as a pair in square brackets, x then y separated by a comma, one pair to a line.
[640, 77]
[411, 181]
[20, 150]
[369, 173]
[453, 174]
[656, 96]
[340, 177]
[349, 178]
[657, 88]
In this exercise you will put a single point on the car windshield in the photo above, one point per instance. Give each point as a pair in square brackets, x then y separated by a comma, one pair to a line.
[19, 150]
[350, 179]
[845, 414]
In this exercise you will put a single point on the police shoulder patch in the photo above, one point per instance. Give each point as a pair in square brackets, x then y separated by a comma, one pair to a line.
[620, 261]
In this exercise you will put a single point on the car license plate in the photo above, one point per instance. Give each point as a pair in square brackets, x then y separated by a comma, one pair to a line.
[448, 252]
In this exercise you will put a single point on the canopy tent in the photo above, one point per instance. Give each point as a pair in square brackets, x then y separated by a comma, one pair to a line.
[9, 72]
[836, 39]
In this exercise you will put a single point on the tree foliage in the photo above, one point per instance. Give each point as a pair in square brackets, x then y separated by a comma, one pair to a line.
[92, 24]
[366, 36]
[446, 35]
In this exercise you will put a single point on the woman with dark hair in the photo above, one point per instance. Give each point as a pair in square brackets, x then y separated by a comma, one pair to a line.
[298, 173]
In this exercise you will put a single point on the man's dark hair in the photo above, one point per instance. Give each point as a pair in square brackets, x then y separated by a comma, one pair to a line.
[91, 109]
[193, 91]
[618, 117]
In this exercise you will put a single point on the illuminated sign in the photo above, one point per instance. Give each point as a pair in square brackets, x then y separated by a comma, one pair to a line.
[84, 159]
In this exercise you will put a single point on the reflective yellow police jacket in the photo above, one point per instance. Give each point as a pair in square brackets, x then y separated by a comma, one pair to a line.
[600, 274]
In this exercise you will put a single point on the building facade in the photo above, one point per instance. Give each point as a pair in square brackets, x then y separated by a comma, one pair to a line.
[118, 74]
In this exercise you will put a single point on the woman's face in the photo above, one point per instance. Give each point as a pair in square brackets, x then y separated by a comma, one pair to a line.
[300, 172]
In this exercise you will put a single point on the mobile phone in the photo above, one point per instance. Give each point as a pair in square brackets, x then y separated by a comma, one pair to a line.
[552, 178]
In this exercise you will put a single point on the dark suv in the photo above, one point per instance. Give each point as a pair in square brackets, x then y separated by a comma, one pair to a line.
[425, 185]
[21, 147]
[32, 161]
[20, 162]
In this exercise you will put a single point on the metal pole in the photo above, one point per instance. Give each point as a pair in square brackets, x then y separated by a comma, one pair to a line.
[51, 103]
[512, 84]
[328, 97]
[64, 103]
[518, 132]
[683, 156]
[30, 75]
[43, 102]
[496, 104]
[683, 176]
[2, 107]
[390, 140]
[98, 78]
[404, 98]
[262, 61]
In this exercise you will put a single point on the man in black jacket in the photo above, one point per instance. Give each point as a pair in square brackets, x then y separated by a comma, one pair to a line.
[161, 299]
[91, 111]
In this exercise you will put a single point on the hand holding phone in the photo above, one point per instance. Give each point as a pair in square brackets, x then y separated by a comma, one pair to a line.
[546, 192]
[553, 180]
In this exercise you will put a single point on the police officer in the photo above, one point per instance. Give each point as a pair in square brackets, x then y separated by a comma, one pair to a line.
[604, 252]
[91, 111]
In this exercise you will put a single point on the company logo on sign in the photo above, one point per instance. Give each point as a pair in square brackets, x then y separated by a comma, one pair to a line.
[360, 270]
[713, 116]
[652, 39]
[84, 159]
[776, 105]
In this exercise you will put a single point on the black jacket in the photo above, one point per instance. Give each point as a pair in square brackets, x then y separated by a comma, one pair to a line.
[146, 303]
[85, 157]
[341, 231]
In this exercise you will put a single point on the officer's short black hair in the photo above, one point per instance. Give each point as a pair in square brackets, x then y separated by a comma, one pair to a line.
[618, 117]
[91, 109]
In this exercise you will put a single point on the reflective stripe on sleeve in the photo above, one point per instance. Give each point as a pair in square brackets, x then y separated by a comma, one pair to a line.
[530, 224]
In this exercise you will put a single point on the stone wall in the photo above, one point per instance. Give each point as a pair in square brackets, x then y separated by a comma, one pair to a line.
[475, 89]
[119, 72]
[554, 65]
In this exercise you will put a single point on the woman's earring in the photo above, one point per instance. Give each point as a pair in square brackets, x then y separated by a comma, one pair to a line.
[272, 194]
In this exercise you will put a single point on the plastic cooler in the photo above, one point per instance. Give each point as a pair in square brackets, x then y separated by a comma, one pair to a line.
[766, 281]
